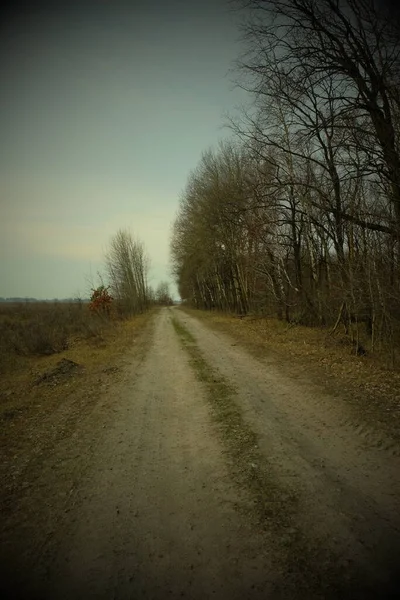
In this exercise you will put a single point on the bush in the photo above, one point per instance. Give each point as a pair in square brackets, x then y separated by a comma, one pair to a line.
[43, 328]
[39, 337]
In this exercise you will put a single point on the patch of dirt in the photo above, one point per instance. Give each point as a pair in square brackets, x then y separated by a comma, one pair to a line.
[64, 368]
[112, 369]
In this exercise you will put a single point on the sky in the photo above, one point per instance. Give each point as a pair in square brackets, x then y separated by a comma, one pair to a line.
[105, 108]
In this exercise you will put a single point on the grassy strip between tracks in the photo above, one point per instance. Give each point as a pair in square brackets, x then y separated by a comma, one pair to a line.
[311, 571]
[240, 441]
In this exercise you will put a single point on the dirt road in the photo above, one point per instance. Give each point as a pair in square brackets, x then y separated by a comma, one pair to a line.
[204, 473]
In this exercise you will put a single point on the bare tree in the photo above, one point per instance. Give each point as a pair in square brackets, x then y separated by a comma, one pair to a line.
[163, 294]
[300, 216]
[127, 267]
[345, 51]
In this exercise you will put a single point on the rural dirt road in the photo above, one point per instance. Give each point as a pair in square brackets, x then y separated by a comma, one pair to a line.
[205, 473]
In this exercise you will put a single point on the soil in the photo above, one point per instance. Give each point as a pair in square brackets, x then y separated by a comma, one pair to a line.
[194, 469]
[64, 369]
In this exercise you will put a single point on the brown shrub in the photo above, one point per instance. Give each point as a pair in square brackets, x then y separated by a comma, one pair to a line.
[44, 328]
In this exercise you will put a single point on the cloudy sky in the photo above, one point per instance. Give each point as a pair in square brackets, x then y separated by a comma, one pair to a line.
[105, 107]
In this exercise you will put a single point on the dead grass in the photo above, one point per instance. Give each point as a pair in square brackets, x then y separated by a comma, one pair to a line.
[42, 401]
[90, 345]
[27, 352]
[365, 382]
[44, 329]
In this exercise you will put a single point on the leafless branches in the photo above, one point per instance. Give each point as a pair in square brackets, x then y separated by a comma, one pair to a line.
[127, 267]
[301, 215]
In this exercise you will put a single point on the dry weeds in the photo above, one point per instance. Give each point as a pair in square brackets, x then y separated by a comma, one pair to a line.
[41, 400]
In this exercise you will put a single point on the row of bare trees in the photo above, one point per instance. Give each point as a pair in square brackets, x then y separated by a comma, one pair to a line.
[299, 214]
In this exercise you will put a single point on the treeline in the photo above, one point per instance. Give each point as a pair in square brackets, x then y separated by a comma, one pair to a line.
[298, 215]
[126, 271]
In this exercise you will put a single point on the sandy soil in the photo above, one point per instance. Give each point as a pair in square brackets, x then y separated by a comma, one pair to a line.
[141, 499]
[344, 477]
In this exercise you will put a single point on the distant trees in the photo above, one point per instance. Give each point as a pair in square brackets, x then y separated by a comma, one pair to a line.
[127, 269]
[299, 216]
[162, 295]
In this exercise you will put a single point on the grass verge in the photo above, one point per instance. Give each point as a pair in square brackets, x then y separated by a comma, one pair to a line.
[37, 412]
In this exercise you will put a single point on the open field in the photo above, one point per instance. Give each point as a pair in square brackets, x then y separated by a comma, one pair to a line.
[44, 328]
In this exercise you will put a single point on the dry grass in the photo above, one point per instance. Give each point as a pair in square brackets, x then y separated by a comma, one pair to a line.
[365, 382]
[36, 411]
[25, 352]
[44, 329]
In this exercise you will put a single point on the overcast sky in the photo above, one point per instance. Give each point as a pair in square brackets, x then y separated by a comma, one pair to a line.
[105, 107]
